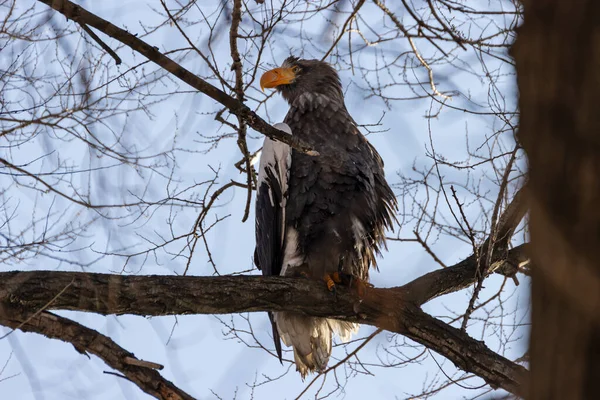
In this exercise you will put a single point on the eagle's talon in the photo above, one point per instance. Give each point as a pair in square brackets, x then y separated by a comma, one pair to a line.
[330, 281]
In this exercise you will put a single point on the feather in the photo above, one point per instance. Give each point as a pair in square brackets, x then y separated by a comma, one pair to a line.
[272, 188]
[319, 215]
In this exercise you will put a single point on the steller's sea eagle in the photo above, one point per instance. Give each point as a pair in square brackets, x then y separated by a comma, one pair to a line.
[318, 216]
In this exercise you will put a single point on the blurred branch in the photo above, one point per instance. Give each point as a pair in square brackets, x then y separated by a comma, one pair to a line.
[86, 340]
[51, 188]
[81, 16]
[558, 129]
[390, 309]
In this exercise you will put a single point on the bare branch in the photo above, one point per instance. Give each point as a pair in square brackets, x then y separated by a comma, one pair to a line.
[82, 16]
[344, 27]
[86, 340]
[464, 273]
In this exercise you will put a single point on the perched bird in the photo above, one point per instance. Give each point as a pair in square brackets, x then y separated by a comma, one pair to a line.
[319, 216]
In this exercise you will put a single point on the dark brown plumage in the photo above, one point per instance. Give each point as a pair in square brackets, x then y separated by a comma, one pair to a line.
[318, 215]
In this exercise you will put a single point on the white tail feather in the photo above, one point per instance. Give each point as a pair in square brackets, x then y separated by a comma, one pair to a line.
[343, 329]
[310, 338]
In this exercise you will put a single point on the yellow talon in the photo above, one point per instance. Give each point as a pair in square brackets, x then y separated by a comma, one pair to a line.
[330, 283]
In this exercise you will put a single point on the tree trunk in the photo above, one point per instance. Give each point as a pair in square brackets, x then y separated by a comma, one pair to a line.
[557, 54]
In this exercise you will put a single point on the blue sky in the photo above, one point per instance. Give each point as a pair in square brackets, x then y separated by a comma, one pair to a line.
[198, 354]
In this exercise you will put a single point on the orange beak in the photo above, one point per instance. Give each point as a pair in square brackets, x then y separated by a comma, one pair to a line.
[276, 77]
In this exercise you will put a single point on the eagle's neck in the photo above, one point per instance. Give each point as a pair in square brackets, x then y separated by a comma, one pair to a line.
[307, 102]
[328, 89]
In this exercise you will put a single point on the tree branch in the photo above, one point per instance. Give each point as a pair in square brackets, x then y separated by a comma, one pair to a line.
[388, 309]
[463, 274]
[86, 340]
[83, 17]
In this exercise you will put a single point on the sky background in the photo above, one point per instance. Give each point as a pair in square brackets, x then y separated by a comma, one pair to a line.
[198, 353]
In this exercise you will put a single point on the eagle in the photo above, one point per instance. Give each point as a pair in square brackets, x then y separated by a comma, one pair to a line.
[322, 216]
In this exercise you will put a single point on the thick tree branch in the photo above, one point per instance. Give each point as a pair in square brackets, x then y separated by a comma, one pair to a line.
[154, 295]
[395, 309]
[460, 276]
[86, 340]
[83, 17]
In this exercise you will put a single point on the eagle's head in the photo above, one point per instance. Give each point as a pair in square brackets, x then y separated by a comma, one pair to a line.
[297, 76]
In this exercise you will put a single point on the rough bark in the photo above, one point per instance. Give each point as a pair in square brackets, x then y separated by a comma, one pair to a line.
[154, 295]
[558, 67]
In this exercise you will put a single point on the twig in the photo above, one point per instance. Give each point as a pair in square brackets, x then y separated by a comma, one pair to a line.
[85, 204]
[342, 361]
[429, 70]
[457, 39]
[101, 43]
[469, 231]
[464, 273]
[428, 249]
[236, 18]
[486, 259]
[75, 12]
[424, 63]
[343, 30]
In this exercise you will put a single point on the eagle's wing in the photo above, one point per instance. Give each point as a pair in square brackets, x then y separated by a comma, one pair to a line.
[271, 199]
